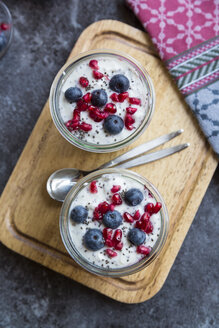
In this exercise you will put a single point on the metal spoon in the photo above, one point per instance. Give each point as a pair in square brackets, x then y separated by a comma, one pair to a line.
[60, 182]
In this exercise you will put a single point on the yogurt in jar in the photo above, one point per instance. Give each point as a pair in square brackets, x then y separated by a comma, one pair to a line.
[116, 247]
[86, 121]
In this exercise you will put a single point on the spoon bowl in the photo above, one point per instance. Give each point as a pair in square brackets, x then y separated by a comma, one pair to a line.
[61, 181]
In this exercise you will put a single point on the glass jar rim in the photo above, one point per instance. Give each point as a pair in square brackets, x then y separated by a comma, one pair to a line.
[9, 20]
[91, 147]
[75, 254]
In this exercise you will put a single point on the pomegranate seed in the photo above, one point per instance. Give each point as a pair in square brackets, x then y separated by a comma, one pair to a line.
[93, 64]
[128, 218]
[129, 119]
[85, 127]
[87, 97]
[76, 115]
[117, 237]
[109, 243]
[110, 252]
[143, 250]
[115, 188]
[142, 223]
[149, 208]
[131, 110]
[122, 96]
[110, 108]
[96, 114]
[97, 75]
[145, 216]
[129, 127]
[68, 124]
[119, 246]
[93, 187]
[134, 101]
[116, 199]
[107, 233]
[97, 215]
[114, 97]
[83, 81]
[103, 207]
[5, 26]
[75, 125]
[136, 215]
[157, 207]
[72, 125]
[111, 207]
[149, 227]
[81, 105]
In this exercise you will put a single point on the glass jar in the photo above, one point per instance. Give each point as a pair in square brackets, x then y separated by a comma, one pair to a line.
[6, 29]
[77, 255]
[64, 74]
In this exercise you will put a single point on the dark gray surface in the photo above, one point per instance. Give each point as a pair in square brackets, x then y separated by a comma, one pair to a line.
[33, 296]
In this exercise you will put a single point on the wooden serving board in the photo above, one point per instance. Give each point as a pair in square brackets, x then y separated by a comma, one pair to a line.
[30, 218]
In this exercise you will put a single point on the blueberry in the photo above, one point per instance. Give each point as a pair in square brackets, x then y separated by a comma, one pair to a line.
[133, 197]
[119, 83]
[93, 239]
[3, 41]
[73, 94]
[99, 98]
[112, 219]
[113, 124]
[136, 236]
[79, 214]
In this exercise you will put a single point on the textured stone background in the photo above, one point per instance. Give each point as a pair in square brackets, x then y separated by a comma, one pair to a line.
[33, 296]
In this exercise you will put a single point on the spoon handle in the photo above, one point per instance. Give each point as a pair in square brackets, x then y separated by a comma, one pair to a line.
[152, 156]
[139, 150]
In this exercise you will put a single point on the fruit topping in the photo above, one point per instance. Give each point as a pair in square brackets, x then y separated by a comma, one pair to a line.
[116, 199]
[143, 250]
[82, 105]
[93, 239]
[99, 98]
[137, 215]
[134, 101]
[110, 108]
[110, 252]
[85, 127]
[133, 197]
[113, 124]
[94, 64]
[122, 96]
[87, 97]
[131, 110]
[97, 75]
[128, 218]
[136, 236]
[119, 83]
[93, 187]
[157, 207]
[149, 208]
[112, 219]
[73, 94]
[83, 81]
[114, 97]
[115, 188]
[79, 214]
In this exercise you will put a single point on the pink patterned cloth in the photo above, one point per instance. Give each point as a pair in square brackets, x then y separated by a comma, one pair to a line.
[185, 33]
[177, 25]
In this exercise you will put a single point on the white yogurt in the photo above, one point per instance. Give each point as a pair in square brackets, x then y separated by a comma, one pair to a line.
[108, 65]
[128, 255]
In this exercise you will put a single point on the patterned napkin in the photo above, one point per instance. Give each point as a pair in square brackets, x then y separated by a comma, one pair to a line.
[186, 35]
